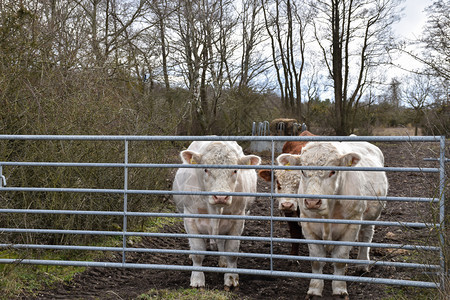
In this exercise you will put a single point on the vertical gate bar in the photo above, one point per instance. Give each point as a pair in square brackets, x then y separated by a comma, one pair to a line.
[1, 176]
[271, 203]
[442, 212]
[125, 202]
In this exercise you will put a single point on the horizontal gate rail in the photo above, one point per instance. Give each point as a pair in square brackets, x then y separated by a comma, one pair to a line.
[386, 281]
[161, 192]
[353, 138]
[218, 253]
[228, 217]
[185, 166]
[439, 268]
[222, 237]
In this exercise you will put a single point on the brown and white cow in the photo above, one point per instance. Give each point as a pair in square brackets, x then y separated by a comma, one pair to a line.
[286, 182]
[220, 181]
[334, 182]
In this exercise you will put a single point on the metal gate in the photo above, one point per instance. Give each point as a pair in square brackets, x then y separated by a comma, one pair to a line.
[438, 268]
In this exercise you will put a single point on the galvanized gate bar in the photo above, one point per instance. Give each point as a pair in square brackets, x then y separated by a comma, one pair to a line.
[162, 192]
[353, 138]
[217, 253]
[442, 180]
[387, 281]
[229, 217]
[222, 237]
[185, 166]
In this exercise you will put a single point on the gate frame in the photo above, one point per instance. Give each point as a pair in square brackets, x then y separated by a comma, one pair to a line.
[441, 268]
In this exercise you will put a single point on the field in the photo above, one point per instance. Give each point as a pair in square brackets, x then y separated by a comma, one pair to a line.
[104, 283]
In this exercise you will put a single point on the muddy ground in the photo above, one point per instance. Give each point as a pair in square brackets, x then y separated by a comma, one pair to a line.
[109, 283]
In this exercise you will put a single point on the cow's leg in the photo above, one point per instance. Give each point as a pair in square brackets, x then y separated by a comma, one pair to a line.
[221, 248]
[215, 224]
[343, 252]
[365, 236]
[232, 279]
[295, 231]
[340, 287]
[316, 285]
[197, 278]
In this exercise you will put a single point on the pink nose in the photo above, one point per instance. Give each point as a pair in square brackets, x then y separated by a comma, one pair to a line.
[313, 203]
[287, 205]
[220, 199]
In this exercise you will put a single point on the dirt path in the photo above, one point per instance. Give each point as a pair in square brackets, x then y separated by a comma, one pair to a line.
[105, 283]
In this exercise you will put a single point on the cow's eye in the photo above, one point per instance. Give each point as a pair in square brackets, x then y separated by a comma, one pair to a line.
[235, 172]
[332, 173]
[303, 173]
[206, 170]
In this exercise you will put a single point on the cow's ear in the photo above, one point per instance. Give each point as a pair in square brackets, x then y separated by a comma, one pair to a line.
[350, 159]
[288, 160]
[265, 174]
[190, 157]
[250, 160]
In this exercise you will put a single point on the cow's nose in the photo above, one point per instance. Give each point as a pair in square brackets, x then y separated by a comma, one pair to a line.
[287, 205]
[313, 203]
[220, 199]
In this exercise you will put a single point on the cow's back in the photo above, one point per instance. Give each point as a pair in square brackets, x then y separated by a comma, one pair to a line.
[367, 183]
[295, 147]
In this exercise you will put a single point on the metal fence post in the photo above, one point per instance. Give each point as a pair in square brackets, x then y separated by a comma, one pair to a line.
[125, 202]
[2, 177]
[272, 191]
[442, 178]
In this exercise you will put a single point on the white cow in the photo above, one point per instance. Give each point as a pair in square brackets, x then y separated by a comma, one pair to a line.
[333, 182]
[221, 181]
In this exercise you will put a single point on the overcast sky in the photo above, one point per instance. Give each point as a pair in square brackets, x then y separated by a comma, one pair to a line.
[410, 27]
[414, 18]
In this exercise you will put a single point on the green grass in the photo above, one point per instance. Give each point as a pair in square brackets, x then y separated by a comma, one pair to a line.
[411, 293]
[21, 279]
[187, 294]
[18, 279]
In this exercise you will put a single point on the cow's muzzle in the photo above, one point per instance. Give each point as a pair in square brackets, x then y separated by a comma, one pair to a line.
[221, 200]
[287, 206]
[313, 203]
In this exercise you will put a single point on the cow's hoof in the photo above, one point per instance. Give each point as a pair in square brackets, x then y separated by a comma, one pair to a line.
[231, 280]
[362, 269]
[228, 288]
[222, 262]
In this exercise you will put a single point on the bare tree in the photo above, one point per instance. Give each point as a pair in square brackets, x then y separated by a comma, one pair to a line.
[434, 44]
[252, 62]
[418, 95]
[109, 21]
[352, 36]
[162, 11]
[205, 30]
[286, 24]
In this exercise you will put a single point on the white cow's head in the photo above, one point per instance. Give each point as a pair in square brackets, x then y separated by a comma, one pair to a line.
[319, 182]
[286, 182]
[218, 180]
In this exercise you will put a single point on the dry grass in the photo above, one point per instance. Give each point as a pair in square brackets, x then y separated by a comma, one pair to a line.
[396, 131]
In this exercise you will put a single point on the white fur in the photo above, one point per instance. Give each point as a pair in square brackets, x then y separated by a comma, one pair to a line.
[215, 180]
[324, 182]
